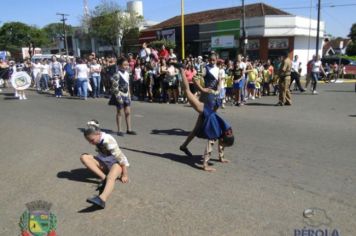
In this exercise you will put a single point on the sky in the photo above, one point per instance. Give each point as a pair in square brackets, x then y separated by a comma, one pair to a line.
[339, 19]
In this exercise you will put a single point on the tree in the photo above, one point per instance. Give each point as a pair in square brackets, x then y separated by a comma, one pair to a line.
[352, 33]
[110, 24]
[351, 49]
[16, 35]
[54, 31]
[167, 43]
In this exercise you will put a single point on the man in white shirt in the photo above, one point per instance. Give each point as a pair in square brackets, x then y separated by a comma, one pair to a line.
[317, 67]
[295, 73]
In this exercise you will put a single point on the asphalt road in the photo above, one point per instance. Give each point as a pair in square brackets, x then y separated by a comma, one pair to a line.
[286, 159]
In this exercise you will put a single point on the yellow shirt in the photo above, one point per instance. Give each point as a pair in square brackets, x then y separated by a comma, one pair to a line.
[229, 81]
[252, 75]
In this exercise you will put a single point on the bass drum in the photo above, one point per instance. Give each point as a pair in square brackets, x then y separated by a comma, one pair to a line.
[20, 80]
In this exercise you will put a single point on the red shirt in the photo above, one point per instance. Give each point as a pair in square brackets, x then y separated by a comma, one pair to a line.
[163, 53]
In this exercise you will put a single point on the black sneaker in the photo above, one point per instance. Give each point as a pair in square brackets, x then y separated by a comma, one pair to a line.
[97, 201]
[186, 151]
[121, 134]
[131, 132]
[101, 186]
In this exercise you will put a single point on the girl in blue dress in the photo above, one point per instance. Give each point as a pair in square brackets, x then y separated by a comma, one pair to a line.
[212, 128]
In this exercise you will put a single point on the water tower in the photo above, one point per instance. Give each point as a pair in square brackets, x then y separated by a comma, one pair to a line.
[135, 6]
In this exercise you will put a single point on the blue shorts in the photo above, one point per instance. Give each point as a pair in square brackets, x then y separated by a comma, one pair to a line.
[239, 85]
[106, 161]
[251, 86]
[228, 91]
[120, 101]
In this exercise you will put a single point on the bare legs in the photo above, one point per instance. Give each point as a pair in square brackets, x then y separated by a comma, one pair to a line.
[127, 111]
[94, 166]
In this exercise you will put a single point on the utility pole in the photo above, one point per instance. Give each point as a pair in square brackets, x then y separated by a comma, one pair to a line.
[317, 32]
[243, 41]
[182, 29]
[64, 30]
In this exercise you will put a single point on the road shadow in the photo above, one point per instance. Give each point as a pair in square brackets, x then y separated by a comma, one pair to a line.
[108, 131]
[79, 175]
[63, 97]
[339, 91]
[90, 209]
[9, 96]
[260, 104]
[193, 162]
[352, 115]
[174, 131]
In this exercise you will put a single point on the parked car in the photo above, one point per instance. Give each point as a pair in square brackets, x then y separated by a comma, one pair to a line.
[350, 65]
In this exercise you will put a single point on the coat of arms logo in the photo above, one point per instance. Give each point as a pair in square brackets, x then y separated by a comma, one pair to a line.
[37, 220]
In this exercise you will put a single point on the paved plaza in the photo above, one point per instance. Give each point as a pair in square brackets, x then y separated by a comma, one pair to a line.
[285, 160]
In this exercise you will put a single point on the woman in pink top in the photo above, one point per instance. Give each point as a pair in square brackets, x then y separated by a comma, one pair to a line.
[190, 72]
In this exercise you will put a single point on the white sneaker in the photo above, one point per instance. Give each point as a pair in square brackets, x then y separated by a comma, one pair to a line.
[20, 97]
[253, 98]
[16, 94]
[315, 92]
[24, 97]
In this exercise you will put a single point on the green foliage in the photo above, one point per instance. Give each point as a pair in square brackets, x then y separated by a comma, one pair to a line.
[108, 22]
[158, 44]
[55, 30]
[351, 49]
[15, 35]
[352, 33]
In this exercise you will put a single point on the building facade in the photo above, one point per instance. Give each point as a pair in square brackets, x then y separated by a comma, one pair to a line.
[270, 33]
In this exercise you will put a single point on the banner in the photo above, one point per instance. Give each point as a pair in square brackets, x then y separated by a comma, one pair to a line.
[226, 41]
[169, 35]
[278, 43]
[253, 44]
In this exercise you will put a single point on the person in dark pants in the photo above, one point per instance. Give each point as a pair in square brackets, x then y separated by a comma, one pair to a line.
[295, 73]
[69, 74]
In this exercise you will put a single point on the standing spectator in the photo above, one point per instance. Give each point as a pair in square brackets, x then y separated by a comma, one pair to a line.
[4, 71]
[190, 72]
[171, 54]
[36, 73]
[251, 81]
[163, 53]
[69, 75]
[56, 68]
[172, 81]
[138, 80]
[95, 70]
[317, 67]
[57, 86]
[238, 83]
[45, 75]
[163, 79]
[145, 52]
[295, 74]
[309, 74]
[82, 75]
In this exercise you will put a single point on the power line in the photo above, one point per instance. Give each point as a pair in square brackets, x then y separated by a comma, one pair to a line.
[324, 6]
